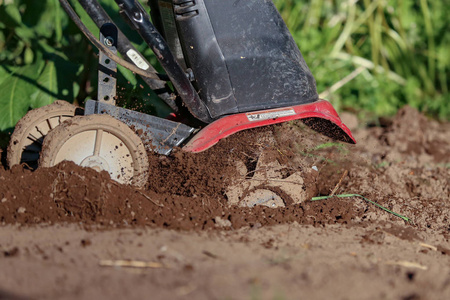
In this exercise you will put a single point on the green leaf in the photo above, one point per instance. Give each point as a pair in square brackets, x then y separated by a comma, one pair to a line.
[47, 89]
[28, 56]
[25, 33]
[4, 74]
[55, 82]
[10, 15]
[128, 75]
[15, 95]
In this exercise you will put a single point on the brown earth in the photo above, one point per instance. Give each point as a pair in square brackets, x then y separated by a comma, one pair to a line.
[62, 227]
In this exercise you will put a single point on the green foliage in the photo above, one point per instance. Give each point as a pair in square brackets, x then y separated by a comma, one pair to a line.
[34, 70]
[367, 56]
[376, 56]
[44, 57]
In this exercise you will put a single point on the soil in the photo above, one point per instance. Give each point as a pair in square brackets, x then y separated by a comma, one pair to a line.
[72, 233]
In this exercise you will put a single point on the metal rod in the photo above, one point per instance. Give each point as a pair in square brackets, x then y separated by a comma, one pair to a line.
[107, 69]
[129, 52]
[140, 19]
[73, 15]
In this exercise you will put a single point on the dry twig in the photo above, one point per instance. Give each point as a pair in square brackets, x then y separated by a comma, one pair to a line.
[428, 246]
[131, 264]
[339, 183]
[149, 199]
[407, 264]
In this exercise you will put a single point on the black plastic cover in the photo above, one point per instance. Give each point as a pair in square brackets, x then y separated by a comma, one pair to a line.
[242, 55]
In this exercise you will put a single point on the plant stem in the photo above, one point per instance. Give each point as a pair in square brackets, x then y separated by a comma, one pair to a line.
[370, 201]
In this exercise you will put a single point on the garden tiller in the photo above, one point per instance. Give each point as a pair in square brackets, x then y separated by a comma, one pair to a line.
[231, 64]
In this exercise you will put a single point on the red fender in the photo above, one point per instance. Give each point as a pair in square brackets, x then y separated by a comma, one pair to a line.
[314, 113]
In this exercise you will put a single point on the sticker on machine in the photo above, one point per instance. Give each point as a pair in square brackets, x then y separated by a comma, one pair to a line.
[270, 114]
[137, 59]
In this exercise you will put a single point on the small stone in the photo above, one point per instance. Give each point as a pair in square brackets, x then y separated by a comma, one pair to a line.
[222, 222]
[21, 210]
[4, 200]
[10, 253]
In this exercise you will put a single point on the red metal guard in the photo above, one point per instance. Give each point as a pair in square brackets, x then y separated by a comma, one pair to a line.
[226, 126]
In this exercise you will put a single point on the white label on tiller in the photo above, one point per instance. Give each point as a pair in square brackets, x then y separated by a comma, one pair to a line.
[137, 59]
[273, 114]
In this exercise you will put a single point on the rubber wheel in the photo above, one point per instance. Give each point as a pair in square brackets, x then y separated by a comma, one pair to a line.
[26, 142]
[100, 142]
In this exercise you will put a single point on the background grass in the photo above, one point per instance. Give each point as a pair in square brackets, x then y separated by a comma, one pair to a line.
[369, 57]
[376, 56]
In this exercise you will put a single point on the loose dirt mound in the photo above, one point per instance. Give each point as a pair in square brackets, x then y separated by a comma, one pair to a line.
[404, 166]
[68, 193]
